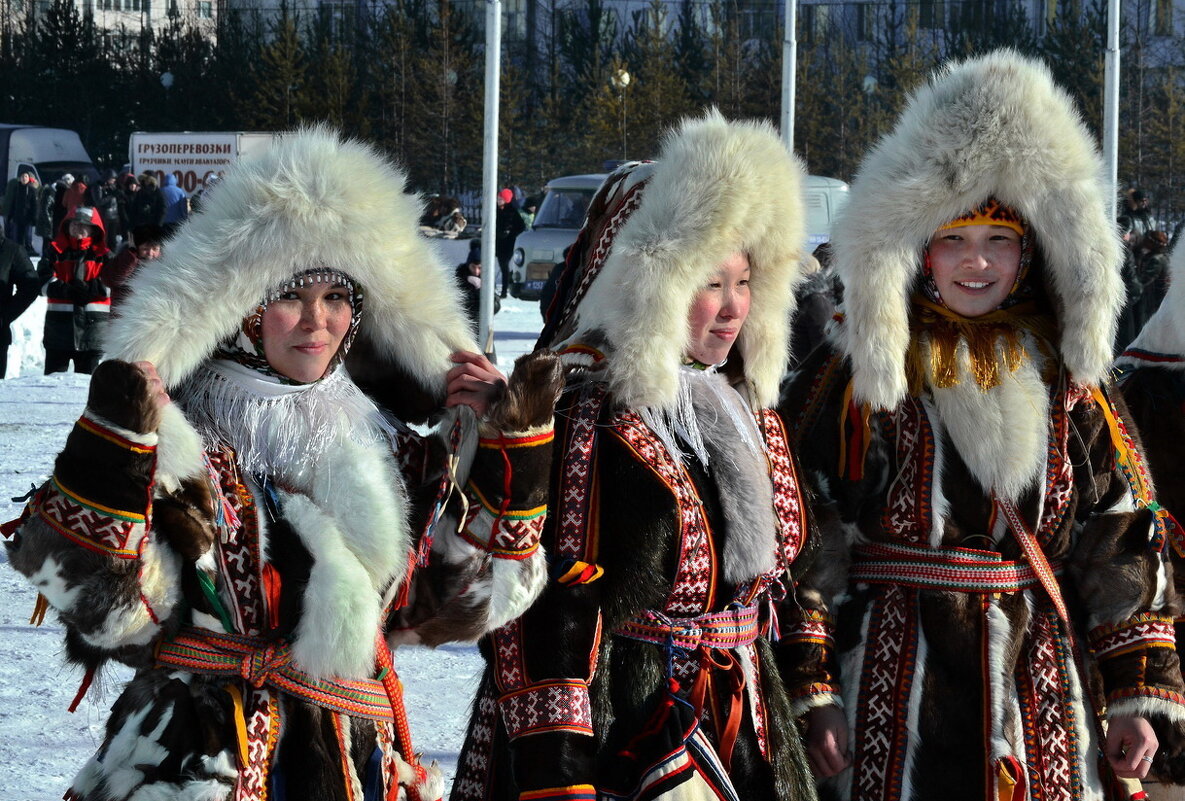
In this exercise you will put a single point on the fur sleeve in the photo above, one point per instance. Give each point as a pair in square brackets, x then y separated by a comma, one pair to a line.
[1119, 567]
[487, 568]
[103, 540]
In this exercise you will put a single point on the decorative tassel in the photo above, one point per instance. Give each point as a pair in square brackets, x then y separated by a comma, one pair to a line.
[992, 341]
[87, 678]
[40, 607]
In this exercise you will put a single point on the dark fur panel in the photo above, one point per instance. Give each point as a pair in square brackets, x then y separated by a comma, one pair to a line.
[439, 608]
[185, 519]
[119, 393]
[308, 761]
[530, 394]
[1155, 399]
[105, 473]
[103, 587]
[196, 745]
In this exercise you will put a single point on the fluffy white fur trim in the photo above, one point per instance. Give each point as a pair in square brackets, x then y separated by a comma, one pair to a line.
[342, 608]
[364, 490]
[718, 187]
[1002, 434]
[991, 126]
[179, 453]
[311, 199]
[801, 706]
[516, 585]
[1165, 330]
[1147, 708]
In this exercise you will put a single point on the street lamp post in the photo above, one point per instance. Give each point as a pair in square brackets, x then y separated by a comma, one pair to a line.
[621, 81]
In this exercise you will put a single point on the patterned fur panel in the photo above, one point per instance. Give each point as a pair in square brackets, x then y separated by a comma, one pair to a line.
[170, 736]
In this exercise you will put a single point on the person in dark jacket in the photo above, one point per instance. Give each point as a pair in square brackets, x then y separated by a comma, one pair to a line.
[18, 288]
[79, 302]
[105, 196]
[509, 224]
[147, 206]
[145, 245]
[20, 208]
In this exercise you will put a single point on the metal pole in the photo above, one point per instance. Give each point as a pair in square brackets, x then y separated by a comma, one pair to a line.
[489, 213]
[789, 72]
[1111, 101]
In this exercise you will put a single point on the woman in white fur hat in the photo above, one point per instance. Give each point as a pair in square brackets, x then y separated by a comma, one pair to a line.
[256, 546]
[995, 549]
[643, 671]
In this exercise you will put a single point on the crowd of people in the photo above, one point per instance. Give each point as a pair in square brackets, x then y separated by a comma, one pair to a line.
[929, 557]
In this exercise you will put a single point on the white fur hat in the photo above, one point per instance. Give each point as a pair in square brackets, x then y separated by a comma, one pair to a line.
[991, 126]
[717, 187]
[312, 199]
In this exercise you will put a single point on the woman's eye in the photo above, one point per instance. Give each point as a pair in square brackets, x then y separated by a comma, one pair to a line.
[337, 296]
[288, 296]
[743, 282]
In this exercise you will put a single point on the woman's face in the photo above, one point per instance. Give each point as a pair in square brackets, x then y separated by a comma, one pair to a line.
[719, 311]
[975, 266]
[303, 329]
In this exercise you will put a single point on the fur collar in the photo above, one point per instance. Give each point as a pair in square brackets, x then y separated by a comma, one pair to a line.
[991, 126]
[1001, 434]
[312, 199]
[1164, 333]
[717, 187]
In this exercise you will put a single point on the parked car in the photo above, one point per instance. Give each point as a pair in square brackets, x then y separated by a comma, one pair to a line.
[558, 220]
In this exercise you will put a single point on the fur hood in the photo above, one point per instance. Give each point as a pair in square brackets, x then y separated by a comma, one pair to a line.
[312, 199]
[1161, 342]
[654, 235]
[991, 126]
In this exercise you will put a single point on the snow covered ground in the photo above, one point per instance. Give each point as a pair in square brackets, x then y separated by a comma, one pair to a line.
[41, 744]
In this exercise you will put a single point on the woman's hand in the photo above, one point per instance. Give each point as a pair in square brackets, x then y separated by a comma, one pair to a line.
[156, 388]
[474, 382]
[827, 740]
[1131, 745]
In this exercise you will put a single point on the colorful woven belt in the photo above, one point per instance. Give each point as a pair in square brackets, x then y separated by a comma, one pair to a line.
[955, 569]
[261, 662]
[730, 628]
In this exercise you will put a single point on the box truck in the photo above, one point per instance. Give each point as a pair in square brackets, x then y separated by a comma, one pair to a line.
[192, 156]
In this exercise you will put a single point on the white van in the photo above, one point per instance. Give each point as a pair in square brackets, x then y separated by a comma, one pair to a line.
[825, 197]
[560, 215]
[48, 153]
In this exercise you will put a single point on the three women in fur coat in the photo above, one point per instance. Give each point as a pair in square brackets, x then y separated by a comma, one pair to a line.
[644, 671]
[995, 572]
[236, 519]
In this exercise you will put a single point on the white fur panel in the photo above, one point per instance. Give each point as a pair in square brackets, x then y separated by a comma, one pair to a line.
[311, 199]
[130, 756]
[994, 125]
[207, 790]
[160, 585]
[1002, 434]
[341, 613]
[51, 583]
[516, 585]
[718, 187]
[365, 492]
[148, 439]
[179, 449]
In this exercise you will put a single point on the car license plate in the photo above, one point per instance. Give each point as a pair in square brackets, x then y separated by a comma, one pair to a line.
[534, 286]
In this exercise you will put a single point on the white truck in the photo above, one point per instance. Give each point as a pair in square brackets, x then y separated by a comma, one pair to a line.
[192, 156]
[48, 153]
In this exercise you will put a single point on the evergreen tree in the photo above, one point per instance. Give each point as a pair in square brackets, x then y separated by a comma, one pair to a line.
[280, 77]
